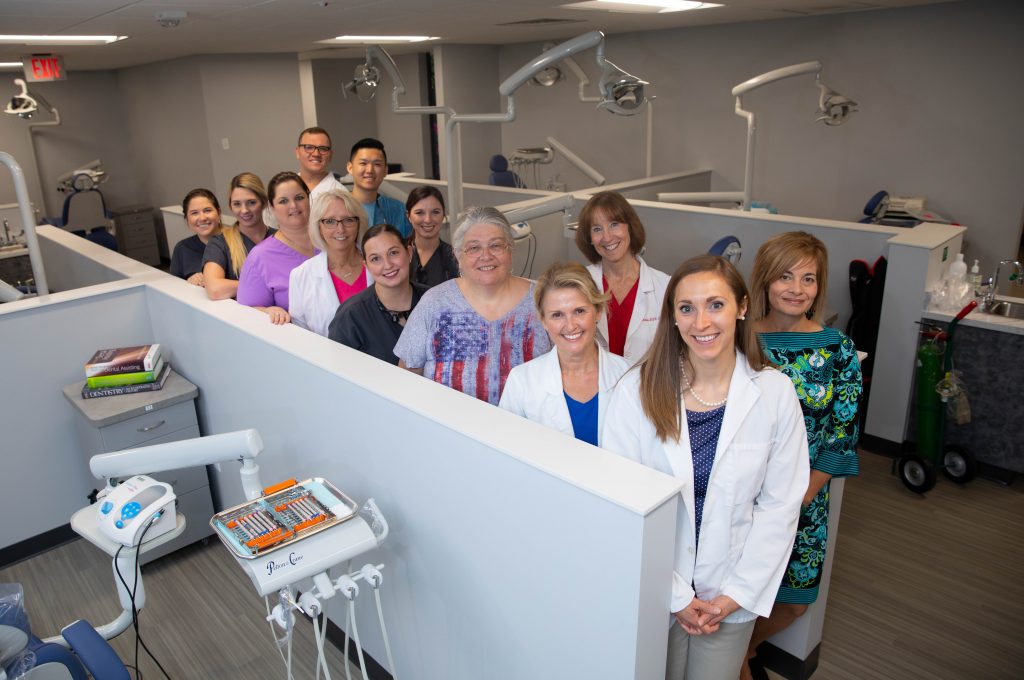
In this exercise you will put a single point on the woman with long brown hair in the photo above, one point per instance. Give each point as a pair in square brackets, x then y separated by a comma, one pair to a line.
[705, 407]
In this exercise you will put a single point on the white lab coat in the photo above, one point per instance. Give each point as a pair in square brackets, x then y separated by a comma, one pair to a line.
[650, 294]
[312, 299]
[753, 499]
[534, 390]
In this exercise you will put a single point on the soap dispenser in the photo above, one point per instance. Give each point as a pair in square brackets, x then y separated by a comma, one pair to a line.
[974, 279]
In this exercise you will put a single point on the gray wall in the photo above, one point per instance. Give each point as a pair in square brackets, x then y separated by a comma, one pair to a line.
[253, 101]
[467, 81]
[936, 87]
[166, 120]
[92, 126]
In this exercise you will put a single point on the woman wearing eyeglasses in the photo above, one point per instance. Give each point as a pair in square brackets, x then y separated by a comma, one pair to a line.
[337, 273]
[468, 333]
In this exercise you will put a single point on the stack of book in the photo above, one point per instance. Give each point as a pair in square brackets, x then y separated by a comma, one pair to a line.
[125, 370]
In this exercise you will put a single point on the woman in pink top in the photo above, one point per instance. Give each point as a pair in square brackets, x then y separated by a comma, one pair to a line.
[263, 282]
[321, 284]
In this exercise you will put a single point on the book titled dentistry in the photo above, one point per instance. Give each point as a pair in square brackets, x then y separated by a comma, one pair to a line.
[158, 384]
[117, 360]
[117, 379]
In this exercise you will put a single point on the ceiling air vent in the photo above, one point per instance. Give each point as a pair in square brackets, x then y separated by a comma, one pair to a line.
[542, 22]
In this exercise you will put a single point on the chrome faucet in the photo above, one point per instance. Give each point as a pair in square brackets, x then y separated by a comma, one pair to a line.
[988, 299]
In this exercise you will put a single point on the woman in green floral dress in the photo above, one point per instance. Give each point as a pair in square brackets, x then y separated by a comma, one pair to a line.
[787, 287]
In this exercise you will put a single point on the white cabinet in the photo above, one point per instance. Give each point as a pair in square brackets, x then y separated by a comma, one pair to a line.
[143, 419]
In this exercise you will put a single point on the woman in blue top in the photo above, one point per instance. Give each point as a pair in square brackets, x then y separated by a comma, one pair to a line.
[788, 284]
[568, 388]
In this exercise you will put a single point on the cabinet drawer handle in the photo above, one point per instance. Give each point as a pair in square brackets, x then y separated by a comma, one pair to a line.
[151, 427]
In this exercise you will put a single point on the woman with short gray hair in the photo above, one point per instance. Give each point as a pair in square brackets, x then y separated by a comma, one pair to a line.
[469, 332]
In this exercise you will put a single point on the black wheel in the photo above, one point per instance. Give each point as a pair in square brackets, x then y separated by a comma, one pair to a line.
[958, 465]
[916, 474]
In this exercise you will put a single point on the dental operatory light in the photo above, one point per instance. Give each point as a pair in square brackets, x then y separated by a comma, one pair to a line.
[60, 39]
[547, 77]
[623, 92]
[833, 109]
[24, 104]
[642, 6]
[364, 82]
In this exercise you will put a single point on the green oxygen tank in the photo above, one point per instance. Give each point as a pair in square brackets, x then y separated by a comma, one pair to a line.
[930, 409]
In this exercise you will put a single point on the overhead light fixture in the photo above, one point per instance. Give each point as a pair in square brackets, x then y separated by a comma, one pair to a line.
[380, 39]
[641, 6]
[60, 39]
[10, 64]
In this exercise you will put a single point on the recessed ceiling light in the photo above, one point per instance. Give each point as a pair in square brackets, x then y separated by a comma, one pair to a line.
[60, 39]
[380, 39]
[10, 64]
[642, 6]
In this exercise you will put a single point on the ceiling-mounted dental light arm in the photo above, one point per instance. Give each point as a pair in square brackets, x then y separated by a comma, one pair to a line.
[622, 92]
[833, 109]
[367, 78]
[25, 104]
[549, 58]
[778, 74]
[582, 77]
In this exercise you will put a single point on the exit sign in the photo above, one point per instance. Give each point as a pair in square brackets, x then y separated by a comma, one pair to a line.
[43, 67]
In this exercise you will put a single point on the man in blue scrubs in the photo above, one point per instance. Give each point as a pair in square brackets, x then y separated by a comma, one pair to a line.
[368, 165]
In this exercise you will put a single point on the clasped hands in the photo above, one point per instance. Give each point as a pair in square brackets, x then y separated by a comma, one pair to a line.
[703, 617]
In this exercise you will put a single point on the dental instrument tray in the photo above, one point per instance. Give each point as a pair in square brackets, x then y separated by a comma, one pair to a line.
[286, 513]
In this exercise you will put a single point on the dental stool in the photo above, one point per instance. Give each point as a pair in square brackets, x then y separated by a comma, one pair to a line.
[23, 656]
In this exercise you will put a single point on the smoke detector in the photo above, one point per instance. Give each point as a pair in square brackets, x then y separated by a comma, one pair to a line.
[171, 18]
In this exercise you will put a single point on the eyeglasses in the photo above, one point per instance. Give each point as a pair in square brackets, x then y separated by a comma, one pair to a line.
[346, 222]
[310, 148]
[495, 248]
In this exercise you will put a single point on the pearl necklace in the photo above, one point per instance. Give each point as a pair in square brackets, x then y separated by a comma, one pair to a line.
[693, 393]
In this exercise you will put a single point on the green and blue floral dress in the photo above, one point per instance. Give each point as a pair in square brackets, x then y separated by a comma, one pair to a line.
[826, 374]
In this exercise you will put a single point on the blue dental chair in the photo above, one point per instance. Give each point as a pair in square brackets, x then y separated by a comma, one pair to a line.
[501, 176]
[25, 657]
[85, 214]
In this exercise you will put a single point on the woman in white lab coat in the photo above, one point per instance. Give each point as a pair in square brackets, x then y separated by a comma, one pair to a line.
[611, 236]
[337, 272]
[705, 407]
[568, 388]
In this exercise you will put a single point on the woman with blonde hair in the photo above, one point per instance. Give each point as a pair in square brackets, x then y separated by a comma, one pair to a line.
[202, 214]
[788, 284]
[225, 253]
[568, 388]
[337, 272]
[705, 407]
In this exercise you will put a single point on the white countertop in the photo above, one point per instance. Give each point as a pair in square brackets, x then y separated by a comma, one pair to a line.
[976, 319]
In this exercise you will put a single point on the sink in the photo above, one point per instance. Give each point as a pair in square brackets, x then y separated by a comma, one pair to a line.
[1011, 310]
